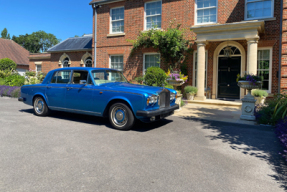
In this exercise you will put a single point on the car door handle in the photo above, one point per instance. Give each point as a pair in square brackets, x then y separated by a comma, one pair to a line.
[68, 88]
[49, 87]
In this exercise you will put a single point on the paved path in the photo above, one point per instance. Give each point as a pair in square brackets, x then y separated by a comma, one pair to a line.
[68, 152]
[223, 113]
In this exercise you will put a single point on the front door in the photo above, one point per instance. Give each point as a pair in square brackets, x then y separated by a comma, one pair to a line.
[228, 69]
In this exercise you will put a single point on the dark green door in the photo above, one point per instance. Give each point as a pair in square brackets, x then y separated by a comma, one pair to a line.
[228, 68]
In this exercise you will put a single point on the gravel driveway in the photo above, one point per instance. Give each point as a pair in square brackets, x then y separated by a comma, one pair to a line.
[71, 152]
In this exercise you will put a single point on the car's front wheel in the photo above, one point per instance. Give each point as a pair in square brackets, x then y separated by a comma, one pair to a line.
[40, 107]
[121, 116]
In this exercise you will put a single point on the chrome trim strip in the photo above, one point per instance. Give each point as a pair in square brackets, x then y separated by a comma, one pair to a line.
[75, 110]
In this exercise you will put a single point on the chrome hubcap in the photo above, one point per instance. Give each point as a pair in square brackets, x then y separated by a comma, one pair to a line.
[119, 116]
[39, 106]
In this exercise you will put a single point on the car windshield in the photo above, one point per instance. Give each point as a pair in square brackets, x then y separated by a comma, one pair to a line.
[106, 76]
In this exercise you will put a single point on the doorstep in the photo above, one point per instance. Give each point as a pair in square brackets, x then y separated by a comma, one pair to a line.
[236, 103]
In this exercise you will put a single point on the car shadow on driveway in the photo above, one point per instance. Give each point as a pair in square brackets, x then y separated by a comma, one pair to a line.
[258, 141]
[94, 120]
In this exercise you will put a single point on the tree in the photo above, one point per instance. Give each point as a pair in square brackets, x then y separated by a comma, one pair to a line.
[36, 42]
[5, 34]
[7, 64]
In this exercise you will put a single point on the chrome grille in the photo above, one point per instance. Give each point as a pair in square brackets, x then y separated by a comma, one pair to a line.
[164, 98]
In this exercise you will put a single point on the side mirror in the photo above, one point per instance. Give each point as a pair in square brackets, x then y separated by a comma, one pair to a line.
[83, 81]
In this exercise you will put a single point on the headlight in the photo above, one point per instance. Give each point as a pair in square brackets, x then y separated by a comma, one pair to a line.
[172, 96]
[152, 100]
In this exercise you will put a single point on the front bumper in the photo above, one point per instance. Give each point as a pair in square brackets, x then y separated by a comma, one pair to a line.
[162, 111]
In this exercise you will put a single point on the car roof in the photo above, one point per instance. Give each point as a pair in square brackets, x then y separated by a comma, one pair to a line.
[83, 68]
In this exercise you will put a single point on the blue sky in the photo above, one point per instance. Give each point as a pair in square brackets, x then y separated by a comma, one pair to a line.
[63, 18]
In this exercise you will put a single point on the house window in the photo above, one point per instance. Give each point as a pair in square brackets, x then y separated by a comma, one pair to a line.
[117, 20]
[65, 74]
[117, 62]
[153, 15]
[39, 68]
[88, 62]
[195, 69]
[264, 68]
[151, 60]
[255, 9]
[206, 11]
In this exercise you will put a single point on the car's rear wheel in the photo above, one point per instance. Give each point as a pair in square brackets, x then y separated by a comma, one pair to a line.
[40, 107]
[121, 116]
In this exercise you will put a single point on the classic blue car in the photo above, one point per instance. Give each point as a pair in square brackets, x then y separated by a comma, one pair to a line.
[99, 92]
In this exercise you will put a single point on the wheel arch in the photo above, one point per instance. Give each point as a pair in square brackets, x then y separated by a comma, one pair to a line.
[41, 95]
[115, 100]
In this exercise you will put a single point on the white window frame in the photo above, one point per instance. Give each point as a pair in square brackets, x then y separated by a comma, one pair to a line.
[110, 60]
[86, 61]
[206, 68]
[195, 13]
[145, 17]
[255, 18]
[37, 68]
[144, 59]
[111, 21]
[270, 66]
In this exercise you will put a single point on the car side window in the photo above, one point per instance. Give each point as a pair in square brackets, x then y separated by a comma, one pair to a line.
[62, 77]
[78, 76]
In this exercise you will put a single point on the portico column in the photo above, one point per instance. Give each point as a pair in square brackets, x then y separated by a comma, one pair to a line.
[252, 55]
[200, 70]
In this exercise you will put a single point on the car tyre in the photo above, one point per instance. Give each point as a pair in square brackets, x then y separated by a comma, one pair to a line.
[40, 107]
[121, 116]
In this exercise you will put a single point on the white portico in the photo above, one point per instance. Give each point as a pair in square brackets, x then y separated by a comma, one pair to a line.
[227, 34]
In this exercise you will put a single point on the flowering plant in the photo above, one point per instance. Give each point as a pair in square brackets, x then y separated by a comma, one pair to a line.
[253, 79]
[176, 76]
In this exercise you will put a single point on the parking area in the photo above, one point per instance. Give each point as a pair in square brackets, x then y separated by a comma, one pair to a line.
[71, 152]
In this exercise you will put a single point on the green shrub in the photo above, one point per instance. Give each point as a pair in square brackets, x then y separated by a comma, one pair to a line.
[139, 79]
[15, 80]
[2, 81]
[155, 76]
[259, 93]
[7, 64]
[190, 89]
[182, 103]
[169, 86]
[34, 78]
[16, 93]
[6, 73]
[270, 113]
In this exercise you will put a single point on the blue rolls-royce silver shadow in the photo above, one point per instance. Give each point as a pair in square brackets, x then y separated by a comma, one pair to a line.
[100, 92]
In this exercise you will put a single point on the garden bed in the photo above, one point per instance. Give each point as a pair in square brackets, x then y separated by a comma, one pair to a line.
[9, 91]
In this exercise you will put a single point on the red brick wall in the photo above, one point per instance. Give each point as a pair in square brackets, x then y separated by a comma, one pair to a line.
[183, 12]
[284, 49]
[53, 62]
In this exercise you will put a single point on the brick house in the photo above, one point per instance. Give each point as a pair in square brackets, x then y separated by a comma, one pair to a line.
[72, 52]
[230, 37]
[10, 49]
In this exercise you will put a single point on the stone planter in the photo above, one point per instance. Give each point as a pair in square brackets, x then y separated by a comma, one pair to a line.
[260, 100]
[178, 100]
[189, 96]
[248, 102]
[175, 83]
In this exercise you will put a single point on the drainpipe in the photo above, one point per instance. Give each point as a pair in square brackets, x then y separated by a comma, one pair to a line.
[280, 48]
[95, 36]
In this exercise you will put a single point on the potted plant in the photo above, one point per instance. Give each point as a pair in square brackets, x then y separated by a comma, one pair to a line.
[259, 95]
[190, 91]
[176, 78]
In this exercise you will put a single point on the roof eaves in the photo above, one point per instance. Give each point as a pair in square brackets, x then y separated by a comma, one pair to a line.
[103, 2]
[70, 50]
[57, 45]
